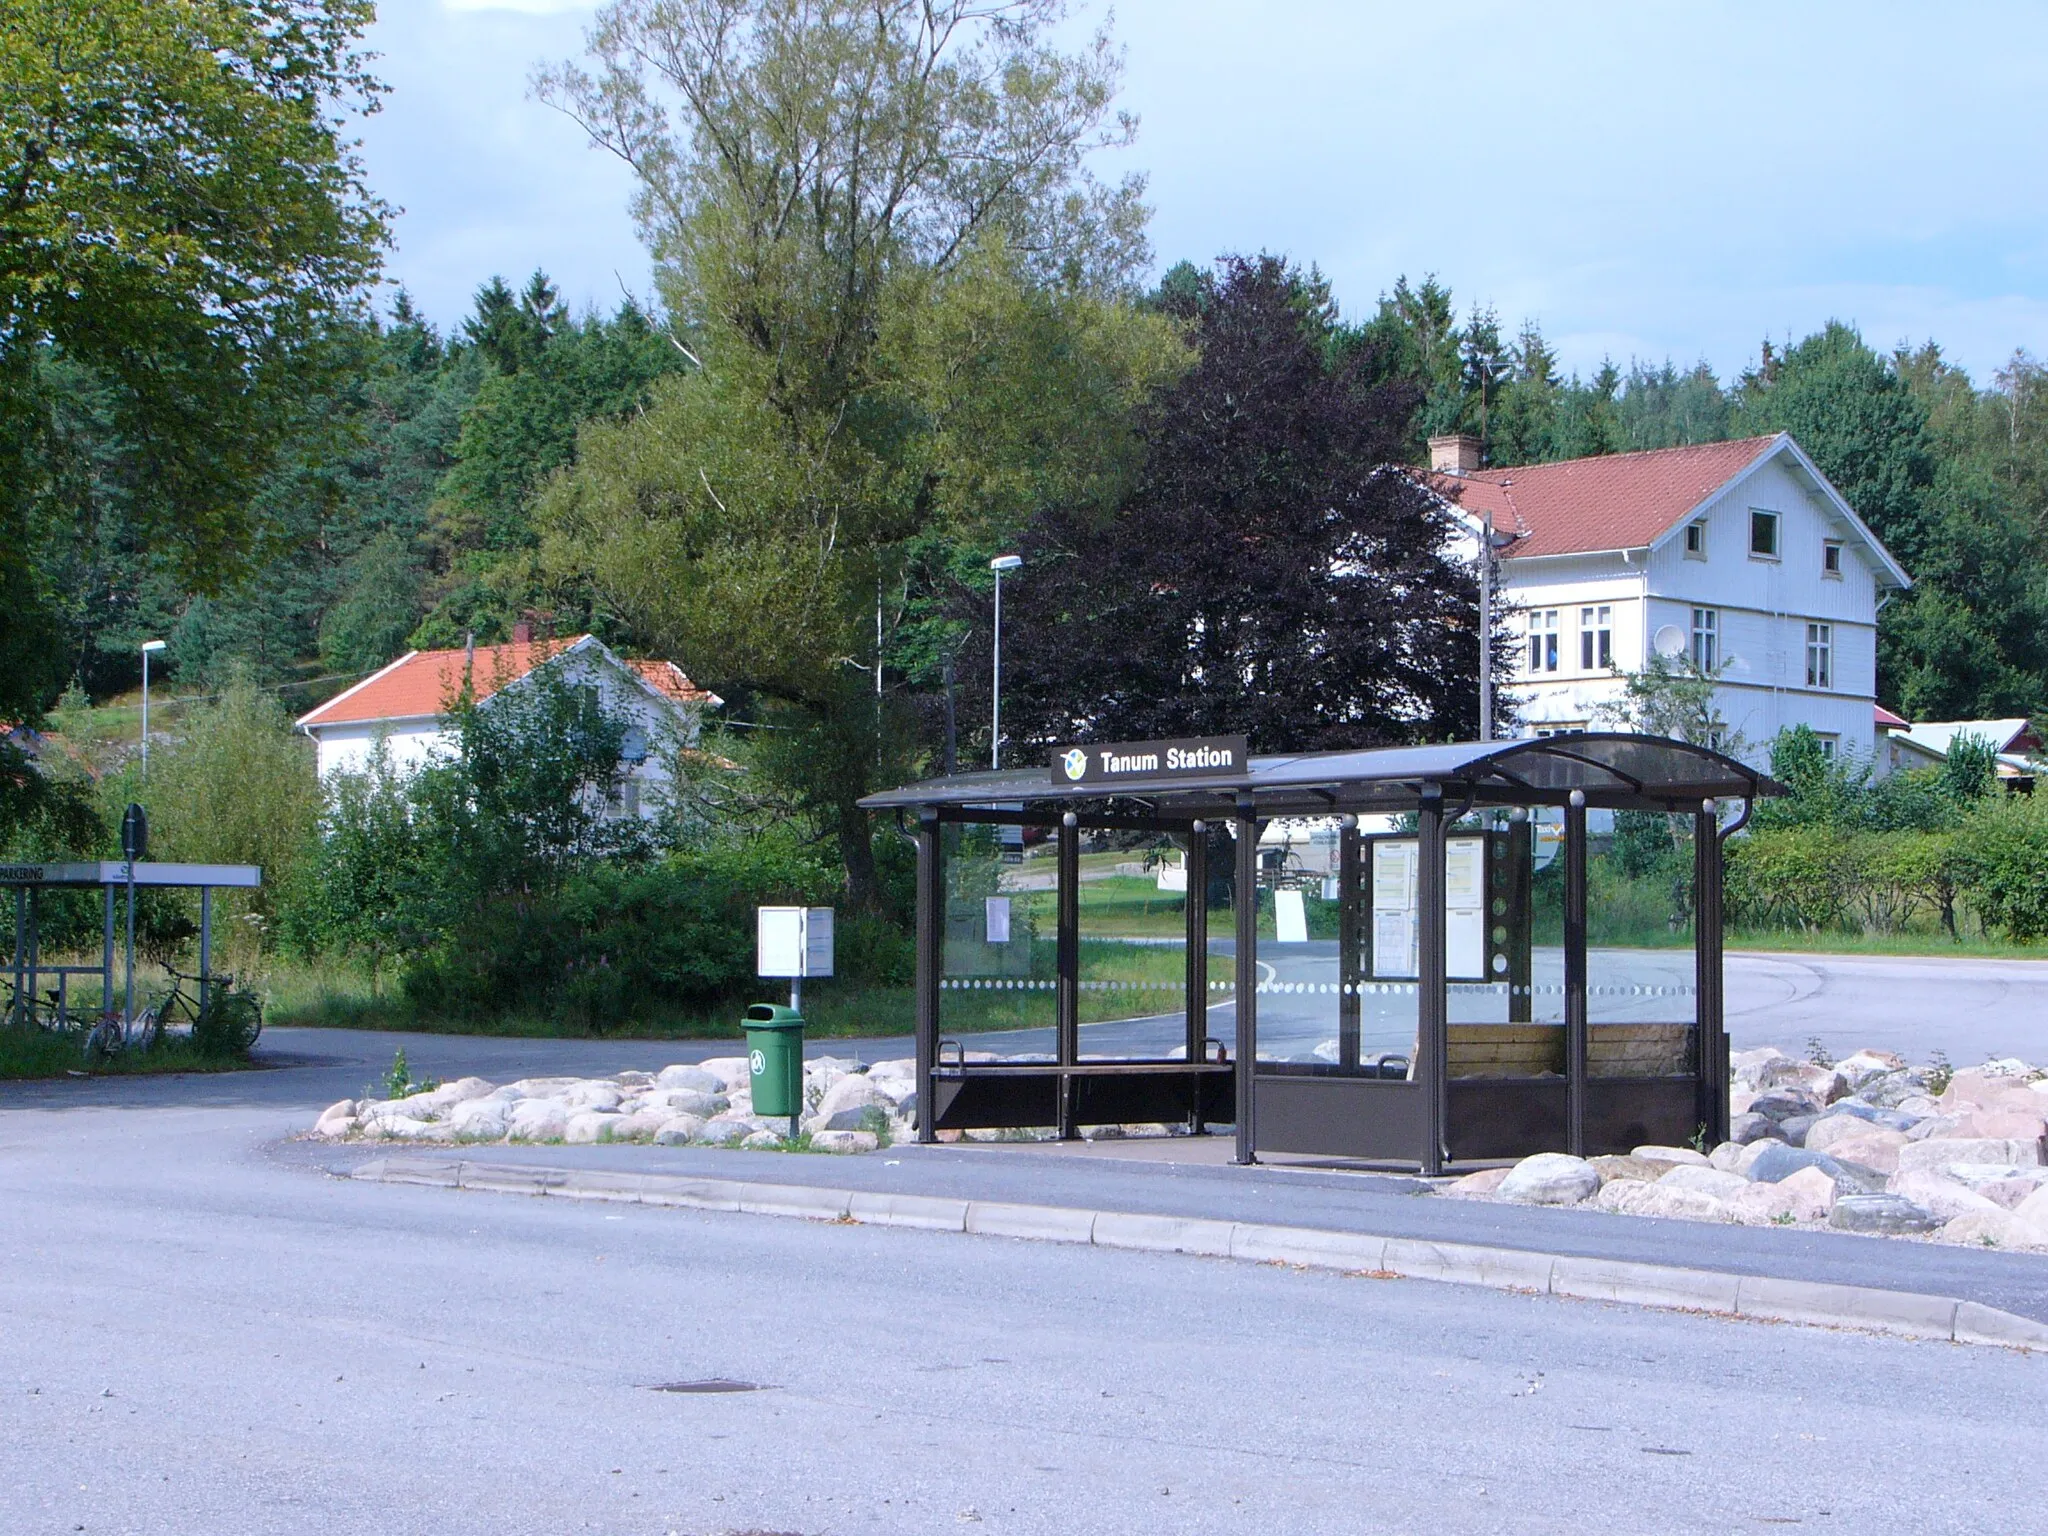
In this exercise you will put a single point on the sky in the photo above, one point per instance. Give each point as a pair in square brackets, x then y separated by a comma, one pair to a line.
[1643, 180]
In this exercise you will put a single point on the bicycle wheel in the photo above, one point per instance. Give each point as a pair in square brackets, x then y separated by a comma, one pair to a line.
[105, 1039]
[229, 1023]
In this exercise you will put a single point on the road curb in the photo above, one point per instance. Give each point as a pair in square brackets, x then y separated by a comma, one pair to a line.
[1762, 1298]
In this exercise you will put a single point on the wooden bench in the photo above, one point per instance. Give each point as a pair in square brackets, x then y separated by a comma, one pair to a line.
[1534, 1050]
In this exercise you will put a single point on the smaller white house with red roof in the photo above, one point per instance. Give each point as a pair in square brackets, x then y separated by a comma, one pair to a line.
[404, 709]
[1739, 555]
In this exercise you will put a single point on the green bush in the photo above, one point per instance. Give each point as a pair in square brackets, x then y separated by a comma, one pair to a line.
[2004, 860]
[616, 943]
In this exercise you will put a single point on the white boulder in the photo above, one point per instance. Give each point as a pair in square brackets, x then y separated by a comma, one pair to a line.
[539, 1119]
[1942, 1151]
[845, 1141]
[1943, 1196]
[482, 1119]
[1550, 1178]
[689, 1079]
[679, 1131]
[1716, 1182]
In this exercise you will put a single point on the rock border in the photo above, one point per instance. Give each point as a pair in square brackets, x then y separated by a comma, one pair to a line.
[1758, 1298]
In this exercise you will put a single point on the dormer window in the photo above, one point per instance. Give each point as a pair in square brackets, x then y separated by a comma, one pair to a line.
[1696, 541]
[1763, 535]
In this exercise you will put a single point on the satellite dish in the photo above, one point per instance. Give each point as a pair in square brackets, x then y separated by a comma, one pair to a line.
[1669, 640]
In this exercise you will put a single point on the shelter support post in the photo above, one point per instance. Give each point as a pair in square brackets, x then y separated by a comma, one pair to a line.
[1432, 1013]
[106, 951]
[1245, 988]
[128, 958]
[205, 944]
[20, 1018]
[931, 933]
[1068, 982]
[1349, 1003]
[35, 943]
[1197, 975]
[1575, 973]
[1710, 1025]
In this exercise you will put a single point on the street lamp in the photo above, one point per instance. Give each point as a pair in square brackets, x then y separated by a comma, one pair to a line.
[1000, 564]
[1491, 543]
[147, 647]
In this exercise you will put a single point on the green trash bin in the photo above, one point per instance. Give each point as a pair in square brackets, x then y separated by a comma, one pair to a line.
[775, 1057]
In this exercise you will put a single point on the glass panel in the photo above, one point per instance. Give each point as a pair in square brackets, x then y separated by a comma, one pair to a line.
[996, 977]
[1300, 1012]
[1133, 909]
[1641, 995]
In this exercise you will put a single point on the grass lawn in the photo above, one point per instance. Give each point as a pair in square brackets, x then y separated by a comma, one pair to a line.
[1118, 981]
[27, 1053]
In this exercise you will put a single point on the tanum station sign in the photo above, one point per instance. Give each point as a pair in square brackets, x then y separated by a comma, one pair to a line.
[1190, 757]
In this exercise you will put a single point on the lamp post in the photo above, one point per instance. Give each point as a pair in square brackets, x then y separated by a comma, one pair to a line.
[1491, 543]
[147, 647]
[1000, 564]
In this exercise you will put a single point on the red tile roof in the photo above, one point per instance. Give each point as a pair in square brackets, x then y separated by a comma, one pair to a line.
[1613, 501]
[673, 681]
[421, 684]
[1888, 721]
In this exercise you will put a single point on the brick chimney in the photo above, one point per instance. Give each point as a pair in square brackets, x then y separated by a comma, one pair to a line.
[1457, 454]
[522, 632]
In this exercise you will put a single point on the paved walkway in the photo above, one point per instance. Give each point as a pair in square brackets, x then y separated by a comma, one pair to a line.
[1193, 1178]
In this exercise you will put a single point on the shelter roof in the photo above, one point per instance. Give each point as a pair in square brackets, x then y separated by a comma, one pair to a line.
[420, 684]
[1615, 770]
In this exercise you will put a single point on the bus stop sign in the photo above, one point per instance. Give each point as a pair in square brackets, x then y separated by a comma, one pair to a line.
[134, 833]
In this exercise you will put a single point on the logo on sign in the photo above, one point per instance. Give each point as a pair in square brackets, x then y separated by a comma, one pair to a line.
[1075, 763]
[756, 1063]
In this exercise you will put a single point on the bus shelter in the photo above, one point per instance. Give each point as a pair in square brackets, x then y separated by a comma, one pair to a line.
[29, 969]
[1497, 1056]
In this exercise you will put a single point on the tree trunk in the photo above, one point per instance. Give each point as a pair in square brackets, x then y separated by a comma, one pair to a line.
[857, 853]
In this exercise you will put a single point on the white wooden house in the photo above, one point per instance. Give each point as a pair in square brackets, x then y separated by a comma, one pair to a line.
[1738, 554]
[404, 707]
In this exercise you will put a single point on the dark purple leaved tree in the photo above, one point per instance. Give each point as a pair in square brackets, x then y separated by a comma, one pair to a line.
[1274, 569]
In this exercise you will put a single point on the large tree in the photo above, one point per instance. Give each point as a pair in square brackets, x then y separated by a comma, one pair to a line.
[840, 193]
[179, 216]
[1273, 570]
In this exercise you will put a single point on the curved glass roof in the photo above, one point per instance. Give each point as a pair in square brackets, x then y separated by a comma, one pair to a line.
[1613, 770]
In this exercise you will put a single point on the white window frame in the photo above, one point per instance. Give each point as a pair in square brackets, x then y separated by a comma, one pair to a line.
[1542, 640]
[1706, 639]
[1820, 655]
[1830, 744]
[1561, 728]
[1596, 638]
[1831, 559]
[1777, 526]
[1696, 539]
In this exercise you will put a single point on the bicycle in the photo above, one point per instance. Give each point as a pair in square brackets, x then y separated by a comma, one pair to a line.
[227, 1023]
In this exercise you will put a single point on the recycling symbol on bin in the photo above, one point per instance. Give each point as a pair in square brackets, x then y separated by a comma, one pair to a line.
[756, 1063]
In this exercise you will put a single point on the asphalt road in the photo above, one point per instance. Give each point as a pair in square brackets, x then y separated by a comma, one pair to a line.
[202, 1336]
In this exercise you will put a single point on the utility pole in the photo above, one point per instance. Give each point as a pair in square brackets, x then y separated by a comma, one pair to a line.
[999, 565]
